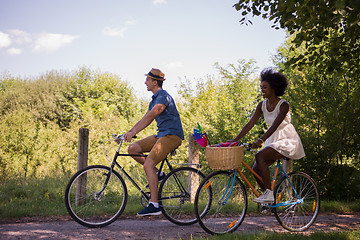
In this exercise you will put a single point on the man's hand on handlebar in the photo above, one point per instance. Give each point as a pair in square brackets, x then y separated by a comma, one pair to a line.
[121, 137]
[129, 136]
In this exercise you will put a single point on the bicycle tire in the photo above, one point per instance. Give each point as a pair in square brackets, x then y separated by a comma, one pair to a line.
[297, 217]
[91, 210]
[175, 198]
[225, 212]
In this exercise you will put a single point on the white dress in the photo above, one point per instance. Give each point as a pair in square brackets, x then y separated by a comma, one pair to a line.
[285, 139]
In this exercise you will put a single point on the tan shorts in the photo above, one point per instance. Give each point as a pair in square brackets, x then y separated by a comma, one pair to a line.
[159, 148]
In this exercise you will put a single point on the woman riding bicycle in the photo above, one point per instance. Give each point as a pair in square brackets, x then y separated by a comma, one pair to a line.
[281, 139]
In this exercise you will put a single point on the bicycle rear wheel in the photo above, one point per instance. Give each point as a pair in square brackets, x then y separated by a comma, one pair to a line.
[297, 212]
[177, 194]
[228, 203]
[91, 203]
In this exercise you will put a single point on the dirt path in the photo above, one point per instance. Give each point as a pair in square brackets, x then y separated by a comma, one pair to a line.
[153, 228]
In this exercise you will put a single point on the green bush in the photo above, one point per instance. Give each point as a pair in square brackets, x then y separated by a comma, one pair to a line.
[342, 182]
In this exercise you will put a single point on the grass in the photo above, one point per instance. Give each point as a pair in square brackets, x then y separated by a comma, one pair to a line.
[348, 235]
[45, 197]
[33, 198]
[340, 207]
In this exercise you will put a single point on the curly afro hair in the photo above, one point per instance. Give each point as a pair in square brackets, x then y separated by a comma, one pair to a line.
[276, 80]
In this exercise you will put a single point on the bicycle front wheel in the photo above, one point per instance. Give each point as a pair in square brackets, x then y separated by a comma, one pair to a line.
[177, 194]
[94, 198]
[227, 202]
[298, 202]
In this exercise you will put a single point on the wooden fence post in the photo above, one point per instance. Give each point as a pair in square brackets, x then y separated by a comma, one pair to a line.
[83, 149]
[194, 180]
[288, 165]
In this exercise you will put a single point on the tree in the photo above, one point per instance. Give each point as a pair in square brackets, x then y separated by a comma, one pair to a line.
[40, 118]
[321, 59]
[222, 104]
[97, 93]
[326, 112]
[336, 23]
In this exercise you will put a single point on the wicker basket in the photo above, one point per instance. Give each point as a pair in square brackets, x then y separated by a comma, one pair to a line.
[224, 158]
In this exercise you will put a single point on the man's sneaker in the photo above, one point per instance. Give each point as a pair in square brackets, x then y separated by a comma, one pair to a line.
[160, 178]
[150, 210]
[267, 197]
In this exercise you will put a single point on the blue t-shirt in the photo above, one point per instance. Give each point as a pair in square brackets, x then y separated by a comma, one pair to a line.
[168, 122]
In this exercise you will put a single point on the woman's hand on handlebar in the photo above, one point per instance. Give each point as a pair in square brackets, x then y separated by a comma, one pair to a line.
[256, 144]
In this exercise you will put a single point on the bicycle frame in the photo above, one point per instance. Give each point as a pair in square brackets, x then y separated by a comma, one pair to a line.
[291, 202]
[115, 163]
[278, 166]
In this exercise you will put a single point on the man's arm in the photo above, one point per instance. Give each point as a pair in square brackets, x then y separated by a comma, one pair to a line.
[145, 121]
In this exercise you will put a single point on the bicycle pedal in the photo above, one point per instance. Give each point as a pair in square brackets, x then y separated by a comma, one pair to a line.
[265, 210]
[265, 204]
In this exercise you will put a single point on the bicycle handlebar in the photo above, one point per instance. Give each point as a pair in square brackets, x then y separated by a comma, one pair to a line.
[247, 147]
[120, 137]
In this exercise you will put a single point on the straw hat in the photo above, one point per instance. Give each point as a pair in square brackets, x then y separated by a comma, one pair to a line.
[156, 74]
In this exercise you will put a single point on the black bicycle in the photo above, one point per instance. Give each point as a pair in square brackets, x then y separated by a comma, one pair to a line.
[96, 196]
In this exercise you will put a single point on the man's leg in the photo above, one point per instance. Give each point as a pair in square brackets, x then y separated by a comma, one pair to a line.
[153, 207]
[142, 146]
[160, 150]
[135, 148]
[152, 177]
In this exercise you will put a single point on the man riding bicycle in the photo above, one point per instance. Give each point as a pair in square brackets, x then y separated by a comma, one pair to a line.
[169, 136]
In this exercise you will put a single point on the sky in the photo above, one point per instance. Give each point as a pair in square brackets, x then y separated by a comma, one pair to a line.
[183, 38]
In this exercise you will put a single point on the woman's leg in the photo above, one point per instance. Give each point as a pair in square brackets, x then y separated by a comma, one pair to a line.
[263, 159]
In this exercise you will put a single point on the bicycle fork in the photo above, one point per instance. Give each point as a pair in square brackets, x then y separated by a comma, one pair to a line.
[229, 189]
[97, 195]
